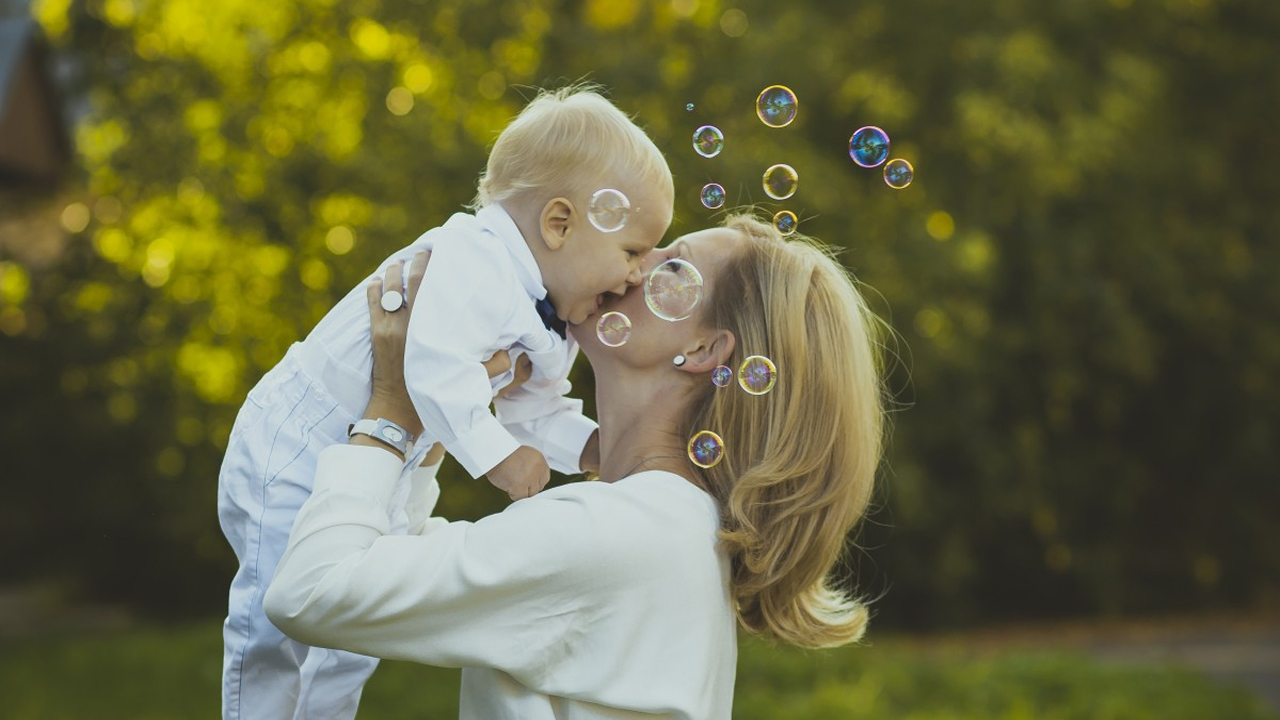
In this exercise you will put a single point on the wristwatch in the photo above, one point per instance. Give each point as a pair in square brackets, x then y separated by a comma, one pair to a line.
[384, 431]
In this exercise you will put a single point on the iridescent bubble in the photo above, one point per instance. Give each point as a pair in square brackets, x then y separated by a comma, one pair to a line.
[689, 107]
[722, 375]
[781, 181]
[706, 449]
[777, 106]
[785, 221]
[869, 146]
[608, 210]
[614, 329]
[898, 173]
[757, 375]
[673, 289]
[708, 141]
[712, 196]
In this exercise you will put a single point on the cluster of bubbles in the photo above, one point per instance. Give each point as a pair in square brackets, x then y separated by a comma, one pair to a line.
[756, 375]
[777, 107]
[869, 148]
[671, 292]
[608, 210]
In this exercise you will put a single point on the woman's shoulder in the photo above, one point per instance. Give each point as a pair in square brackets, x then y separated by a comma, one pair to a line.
[650, 513]
[642, 494]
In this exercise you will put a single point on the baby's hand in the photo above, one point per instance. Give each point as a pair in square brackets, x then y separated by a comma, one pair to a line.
[522, 474]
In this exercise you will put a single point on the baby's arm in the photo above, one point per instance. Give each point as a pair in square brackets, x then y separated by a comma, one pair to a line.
[540, 415]
[466, 304]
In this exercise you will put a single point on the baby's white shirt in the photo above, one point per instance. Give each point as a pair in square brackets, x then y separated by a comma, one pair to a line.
[477, 298]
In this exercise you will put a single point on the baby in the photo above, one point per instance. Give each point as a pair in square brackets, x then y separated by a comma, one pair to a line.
[505, 279]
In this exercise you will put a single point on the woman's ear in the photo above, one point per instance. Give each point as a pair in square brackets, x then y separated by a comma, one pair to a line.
[712, 349]
[556, 222]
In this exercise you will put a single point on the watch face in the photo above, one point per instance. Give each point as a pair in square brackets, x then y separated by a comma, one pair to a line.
[392, 434]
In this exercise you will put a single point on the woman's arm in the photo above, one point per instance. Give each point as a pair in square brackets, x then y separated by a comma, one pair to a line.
[503, 592]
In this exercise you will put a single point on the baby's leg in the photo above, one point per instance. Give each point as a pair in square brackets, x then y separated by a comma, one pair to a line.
[266, 477]
[332, 681]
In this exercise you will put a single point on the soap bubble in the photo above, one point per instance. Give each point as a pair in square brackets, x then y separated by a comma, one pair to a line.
[722, 375]
[673, 289]
[785, 221]
[689, 107]
[757, 375]
[708, 141]
[898, 173]
[608, 210]
[781, 181]
[869, 146]
[614, 329]
[712, 196]
[706, 449]
[777, 106]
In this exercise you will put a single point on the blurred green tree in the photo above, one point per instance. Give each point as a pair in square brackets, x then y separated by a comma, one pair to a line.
[1082, 276]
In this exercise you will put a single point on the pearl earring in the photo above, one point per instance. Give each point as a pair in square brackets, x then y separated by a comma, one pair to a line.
[678, 361]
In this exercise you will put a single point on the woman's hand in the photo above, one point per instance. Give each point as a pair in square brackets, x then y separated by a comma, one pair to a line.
[388, 330]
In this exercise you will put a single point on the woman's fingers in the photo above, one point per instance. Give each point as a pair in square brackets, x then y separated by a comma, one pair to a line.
[394, 278]
[524, 369]
[417, 269]
[498, 364]
[374, 293]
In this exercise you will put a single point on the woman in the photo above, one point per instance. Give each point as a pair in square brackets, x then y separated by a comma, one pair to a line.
[621, 598]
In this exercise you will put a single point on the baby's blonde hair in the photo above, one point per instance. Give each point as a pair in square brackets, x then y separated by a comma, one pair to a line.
[565, 142]
[800, 462]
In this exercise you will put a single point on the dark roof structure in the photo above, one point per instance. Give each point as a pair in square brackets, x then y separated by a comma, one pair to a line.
[34, 148]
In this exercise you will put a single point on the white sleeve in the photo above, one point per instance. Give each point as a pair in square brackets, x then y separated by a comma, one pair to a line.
[539, 415]
[460, 314]
[504, 592]
[424, 492]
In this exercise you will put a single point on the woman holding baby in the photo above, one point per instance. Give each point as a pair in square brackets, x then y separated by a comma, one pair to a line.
[622, 598]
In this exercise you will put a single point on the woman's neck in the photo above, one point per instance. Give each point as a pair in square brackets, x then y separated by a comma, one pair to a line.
[638, 419]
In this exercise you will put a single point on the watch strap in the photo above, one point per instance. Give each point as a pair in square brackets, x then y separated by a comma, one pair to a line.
[384, 431]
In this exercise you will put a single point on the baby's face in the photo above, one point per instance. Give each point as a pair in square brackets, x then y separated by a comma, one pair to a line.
[598, 263]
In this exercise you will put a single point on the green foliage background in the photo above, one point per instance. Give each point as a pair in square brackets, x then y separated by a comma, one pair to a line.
[1082, 276]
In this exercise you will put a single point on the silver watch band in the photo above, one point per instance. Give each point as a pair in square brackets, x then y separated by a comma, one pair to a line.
[384, 431]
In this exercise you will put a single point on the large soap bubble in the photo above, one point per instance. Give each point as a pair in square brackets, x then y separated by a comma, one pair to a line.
[673, 289]
[613, 329]
[869, 146]
[706, 449]
[781, 181]
[776, 106]
[608, 210]
[708, 141]
[898, 173]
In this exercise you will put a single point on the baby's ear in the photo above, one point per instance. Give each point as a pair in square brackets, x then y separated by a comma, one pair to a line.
[557, 222]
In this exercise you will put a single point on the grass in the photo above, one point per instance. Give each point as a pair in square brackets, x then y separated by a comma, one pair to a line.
[162, 673]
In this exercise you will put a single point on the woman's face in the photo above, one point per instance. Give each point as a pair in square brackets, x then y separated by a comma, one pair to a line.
[654, 340]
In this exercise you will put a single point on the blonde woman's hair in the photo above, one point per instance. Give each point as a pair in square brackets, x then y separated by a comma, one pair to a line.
[566, 141]
[799, 462]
